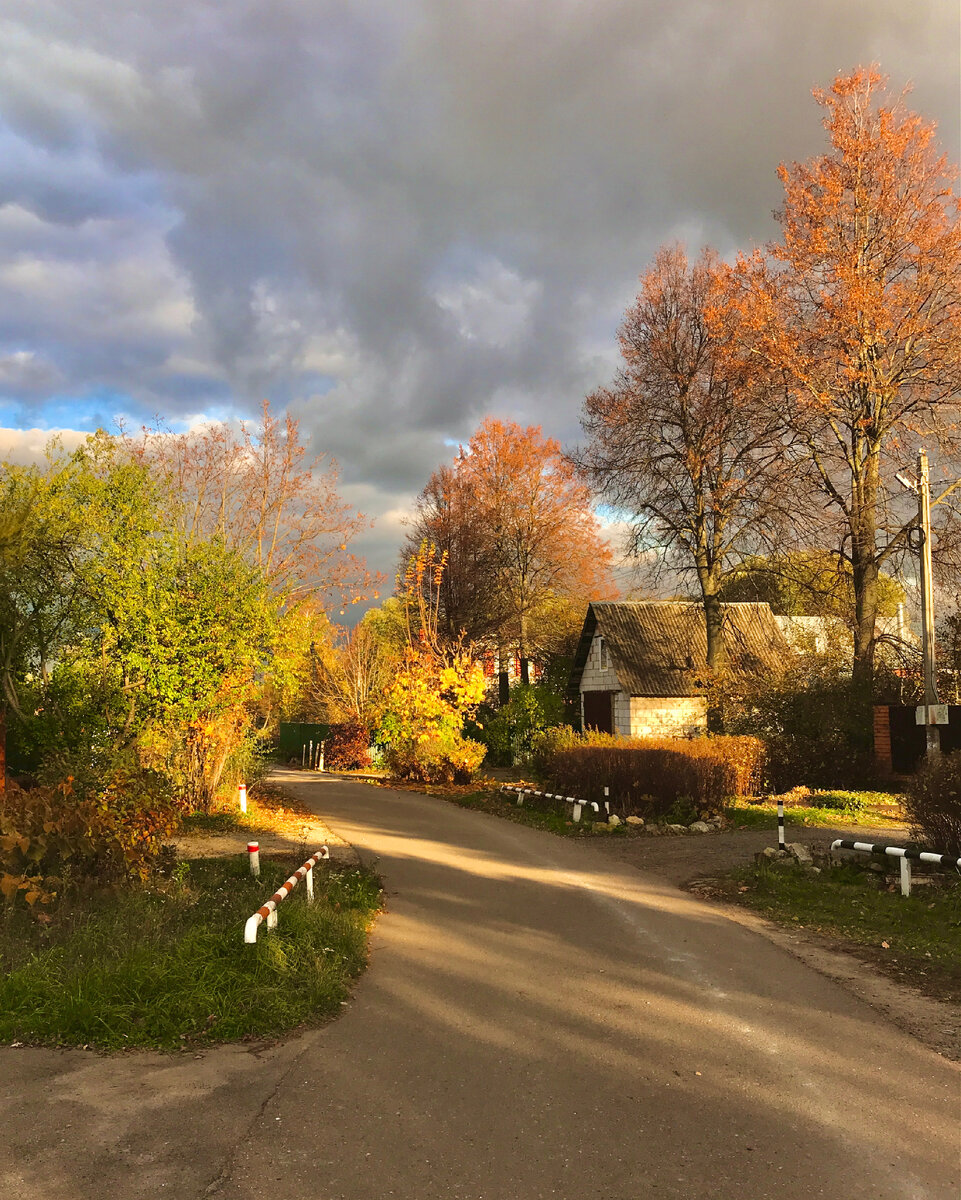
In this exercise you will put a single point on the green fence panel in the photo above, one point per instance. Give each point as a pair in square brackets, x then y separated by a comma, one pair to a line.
[294, 735]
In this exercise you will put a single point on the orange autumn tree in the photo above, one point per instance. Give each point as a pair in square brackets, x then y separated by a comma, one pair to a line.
[857, 310]
[517, 524]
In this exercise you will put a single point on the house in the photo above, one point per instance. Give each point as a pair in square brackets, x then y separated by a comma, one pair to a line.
[896, 639]
[639, 665]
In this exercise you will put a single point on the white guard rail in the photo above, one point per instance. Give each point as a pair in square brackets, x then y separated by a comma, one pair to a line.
[899, 852]
[579, 805]
[268, 912]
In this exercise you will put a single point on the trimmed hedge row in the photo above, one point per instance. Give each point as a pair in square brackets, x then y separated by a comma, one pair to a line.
[653, 777]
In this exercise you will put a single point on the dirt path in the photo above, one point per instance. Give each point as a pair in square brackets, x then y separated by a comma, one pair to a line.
[295, 833]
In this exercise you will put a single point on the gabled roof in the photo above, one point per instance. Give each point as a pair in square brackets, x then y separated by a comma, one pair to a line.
[658, 647]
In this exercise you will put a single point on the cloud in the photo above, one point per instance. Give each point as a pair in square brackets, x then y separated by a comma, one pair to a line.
[24, 447]
[392, 217]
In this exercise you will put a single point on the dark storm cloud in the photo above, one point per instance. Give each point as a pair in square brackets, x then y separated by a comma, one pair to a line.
[393, 217]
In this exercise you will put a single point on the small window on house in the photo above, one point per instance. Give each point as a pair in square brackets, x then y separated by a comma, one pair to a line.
[602, 647]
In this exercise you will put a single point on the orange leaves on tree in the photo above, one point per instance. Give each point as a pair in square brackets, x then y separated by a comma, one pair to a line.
[858, 313]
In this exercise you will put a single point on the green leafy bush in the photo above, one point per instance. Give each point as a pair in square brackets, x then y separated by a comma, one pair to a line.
[102, 834]
[817, 727]
[852, 804]
[509, 732]
[650, 777]
[933, 804]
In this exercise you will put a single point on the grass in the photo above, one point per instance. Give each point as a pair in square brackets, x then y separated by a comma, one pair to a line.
[165, 965]
[916, 938]
[825, 809]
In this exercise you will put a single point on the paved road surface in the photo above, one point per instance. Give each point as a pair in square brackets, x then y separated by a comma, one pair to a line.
[538, 1021]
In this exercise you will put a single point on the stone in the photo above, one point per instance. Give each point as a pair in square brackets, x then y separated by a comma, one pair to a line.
[614, 820]
[765, 856]
[634, 820]
[676, 828]
[700, 827]
[800, 853]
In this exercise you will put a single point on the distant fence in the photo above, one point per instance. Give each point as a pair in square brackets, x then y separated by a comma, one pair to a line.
[900, 742]
[295, 735]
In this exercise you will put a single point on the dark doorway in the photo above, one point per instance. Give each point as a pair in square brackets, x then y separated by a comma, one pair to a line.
[599, 711]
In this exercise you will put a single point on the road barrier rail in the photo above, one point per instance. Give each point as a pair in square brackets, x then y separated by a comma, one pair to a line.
[902, 853]
[579, 805]
[268, 911]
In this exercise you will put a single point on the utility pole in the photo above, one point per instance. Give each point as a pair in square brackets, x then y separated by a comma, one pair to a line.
[927, 607]
[923, 490]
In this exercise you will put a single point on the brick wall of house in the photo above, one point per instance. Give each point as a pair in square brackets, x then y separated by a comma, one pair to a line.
[668, 716]
[882, 738]
[596, 678]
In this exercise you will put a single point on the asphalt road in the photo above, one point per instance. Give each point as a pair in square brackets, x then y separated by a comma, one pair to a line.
[538, 1020]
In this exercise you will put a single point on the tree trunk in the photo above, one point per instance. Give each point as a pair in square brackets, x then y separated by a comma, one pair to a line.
[522, 651]
[865, 618]
[3, 748]
[503, 677]
[716, 655]
[714, 623]
[864, 569]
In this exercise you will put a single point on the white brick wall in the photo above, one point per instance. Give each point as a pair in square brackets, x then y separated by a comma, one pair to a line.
[604, 679]
[596, 678]
[668, 716]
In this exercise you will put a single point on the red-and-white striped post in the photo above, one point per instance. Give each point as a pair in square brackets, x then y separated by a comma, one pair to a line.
[253, 850]
[242, 796]
[268, 912]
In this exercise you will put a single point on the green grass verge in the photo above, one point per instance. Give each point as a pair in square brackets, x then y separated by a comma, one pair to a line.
[917, 938]
[165, 966]
[826, 809]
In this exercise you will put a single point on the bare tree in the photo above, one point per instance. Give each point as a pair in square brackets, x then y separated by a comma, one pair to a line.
[685, 442]
[256, 489]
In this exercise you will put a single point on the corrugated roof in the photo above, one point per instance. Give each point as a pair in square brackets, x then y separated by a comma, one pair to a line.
[658, 647]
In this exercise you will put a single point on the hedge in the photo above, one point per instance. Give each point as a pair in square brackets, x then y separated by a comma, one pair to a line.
[652, 777]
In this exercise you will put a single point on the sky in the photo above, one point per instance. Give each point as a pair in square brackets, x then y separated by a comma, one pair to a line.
[391, 218]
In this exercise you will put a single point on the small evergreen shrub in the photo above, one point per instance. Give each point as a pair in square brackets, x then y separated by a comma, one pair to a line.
[933, 804]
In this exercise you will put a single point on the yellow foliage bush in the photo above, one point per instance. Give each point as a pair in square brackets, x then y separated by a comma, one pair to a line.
[50, 833]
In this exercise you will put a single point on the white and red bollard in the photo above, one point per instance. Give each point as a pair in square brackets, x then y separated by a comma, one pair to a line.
[253, 850]
[242, 796]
